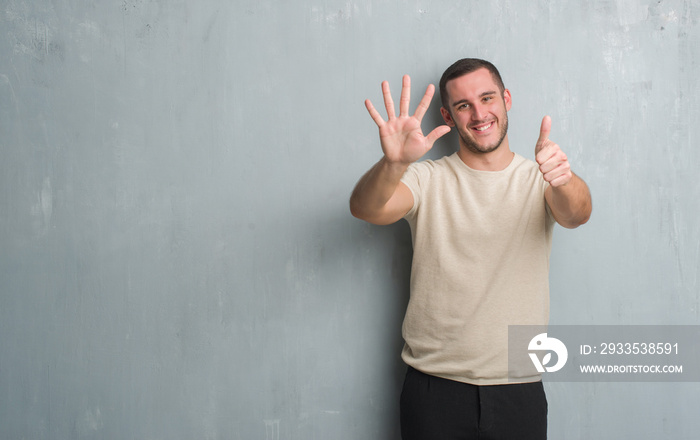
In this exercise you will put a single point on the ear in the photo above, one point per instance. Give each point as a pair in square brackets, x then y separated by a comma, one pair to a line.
[447, 117]
[507, 99]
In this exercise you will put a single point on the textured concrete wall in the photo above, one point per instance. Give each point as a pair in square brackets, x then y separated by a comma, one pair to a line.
[178, 260]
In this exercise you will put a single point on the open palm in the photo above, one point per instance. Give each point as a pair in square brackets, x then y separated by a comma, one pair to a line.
[401, 136]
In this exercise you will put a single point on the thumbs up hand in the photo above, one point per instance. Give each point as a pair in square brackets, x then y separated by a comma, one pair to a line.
[553, 163]
[568, 196]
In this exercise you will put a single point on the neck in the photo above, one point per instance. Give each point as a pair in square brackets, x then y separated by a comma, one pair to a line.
[496, 160]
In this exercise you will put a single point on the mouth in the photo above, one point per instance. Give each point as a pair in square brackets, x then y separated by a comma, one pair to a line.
[482, 127]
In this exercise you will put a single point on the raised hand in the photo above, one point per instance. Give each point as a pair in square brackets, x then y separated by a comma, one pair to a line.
[401, 136]
[554, 164]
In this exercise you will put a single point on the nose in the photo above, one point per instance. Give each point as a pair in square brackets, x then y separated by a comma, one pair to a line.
[479, 112]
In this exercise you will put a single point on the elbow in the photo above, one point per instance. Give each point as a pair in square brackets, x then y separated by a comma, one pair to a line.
[573, 224]
[585, 213]
[577, 220]
[355, 209]
[359, 213]
[355, 213]
[373, 217]
[585, 219]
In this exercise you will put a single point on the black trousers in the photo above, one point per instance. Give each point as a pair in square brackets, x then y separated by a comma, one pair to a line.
[433, 408]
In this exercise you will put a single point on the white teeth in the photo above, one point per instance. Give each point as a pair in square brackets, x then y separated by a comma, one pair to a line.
[485, 127]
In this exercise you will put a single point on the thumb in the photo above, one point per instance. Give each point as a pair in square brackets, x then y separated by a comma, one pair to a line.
[437, 133]
[545, 128]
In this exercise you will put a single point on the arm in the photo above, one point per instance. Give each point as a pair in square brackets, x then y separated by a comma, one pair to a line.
[380, 197]
[567, 195]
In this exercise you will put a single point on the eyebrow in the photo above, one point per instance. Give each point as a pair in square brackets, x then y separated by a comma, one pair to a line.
[462, 101]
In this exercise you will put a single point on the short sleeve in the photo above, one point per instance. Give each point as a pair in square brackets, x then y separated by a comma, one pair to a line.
[412, 178]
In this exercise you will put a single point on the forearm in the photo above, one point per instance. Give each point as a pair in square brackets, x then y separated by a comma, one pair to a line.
[372, 193]
[571, 203]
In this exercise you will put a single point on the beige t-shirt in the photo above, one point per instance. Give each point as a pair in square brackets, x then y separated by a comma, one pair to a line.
[481, 243]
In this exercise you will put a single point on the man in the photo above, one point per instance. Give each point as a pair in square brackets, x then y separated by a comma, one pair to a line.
[481, 222]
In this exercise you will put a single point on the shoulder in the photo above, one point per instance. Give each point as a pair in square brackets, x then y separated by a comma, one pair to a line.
[420, 177]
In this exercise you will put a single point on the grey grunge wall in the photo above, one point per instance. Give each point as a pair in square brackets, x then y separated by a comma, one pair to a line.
[177, 256]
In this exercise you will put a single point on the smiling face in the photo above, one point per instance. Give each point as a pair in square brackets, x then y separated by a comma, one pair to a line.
[478, 109]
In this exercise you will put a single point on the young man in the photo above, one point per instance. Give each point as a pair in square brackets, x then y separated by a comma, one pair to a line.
[481, 221]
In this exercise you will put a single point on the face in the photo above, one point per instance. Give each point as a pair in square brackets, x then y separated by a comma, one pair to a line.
[478, 110]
